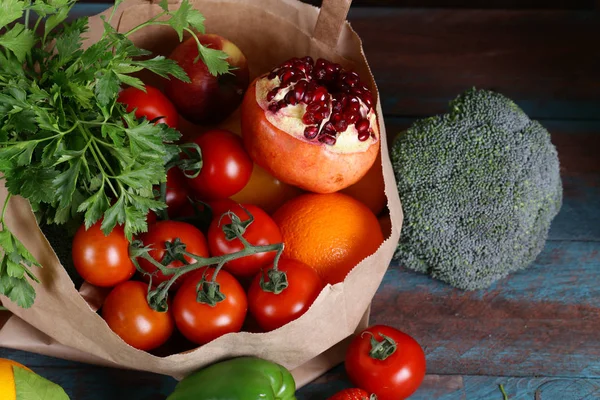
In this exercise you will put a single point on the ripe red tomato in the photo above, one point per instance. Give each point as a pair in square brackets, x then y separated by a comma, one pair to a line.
[395, 377]
[167, 231]
[352, 394]
[127, 313]
[177, 191]
[102, 260]
[262, 231]
[274, 310]
[226, 167]
[202, 323]
[152, 104]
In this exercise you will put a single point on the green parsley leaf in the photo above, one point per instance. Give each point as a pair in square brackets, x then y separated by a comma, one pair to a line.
[66, 182]
[196, 20]
[10, 10]
[94, 206]
[107, 87]
[63, 8]
[19, 40]
[17, 290]
[215, 60]
[163, 67]
[30, 386]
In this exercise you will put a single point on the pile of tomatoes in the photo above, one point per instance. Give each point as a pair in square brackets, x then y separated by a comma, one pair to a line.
[105, 261]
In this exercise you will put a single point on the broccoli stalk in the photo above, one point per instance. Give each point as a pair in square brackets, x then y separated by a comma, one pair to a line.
[479, 188]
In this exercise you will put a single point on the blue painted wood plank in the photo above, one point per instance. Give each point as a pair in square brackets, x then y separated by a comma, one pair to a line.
[540, 321]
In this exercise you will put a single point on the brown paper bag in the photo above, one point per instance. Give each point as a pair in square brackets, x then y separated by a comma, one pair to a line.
[62, 324]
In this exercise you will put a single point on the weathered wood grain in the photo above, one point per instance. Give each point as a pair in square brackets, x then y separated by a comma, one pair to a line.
[469, 387]
[540, 321]
[542, 60]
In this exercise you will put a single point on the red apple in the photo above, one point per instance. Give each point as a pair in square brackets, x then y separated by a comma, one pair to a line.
[208, 99]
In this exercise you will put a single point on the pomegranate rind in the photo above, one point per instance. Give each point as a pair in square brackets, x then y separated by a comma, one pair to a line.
[308, 165]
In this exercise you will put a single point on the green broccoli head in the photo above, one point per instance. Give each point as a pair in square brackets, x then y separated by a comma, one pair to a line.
[479, 188]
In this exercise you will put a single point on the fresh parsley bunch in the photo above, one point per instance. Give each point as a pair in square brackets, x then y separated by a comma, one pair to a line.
[66, 145]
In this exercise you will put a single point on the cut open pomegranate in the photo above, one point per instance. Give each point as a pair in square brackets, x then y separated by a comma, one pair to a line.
[311, 124]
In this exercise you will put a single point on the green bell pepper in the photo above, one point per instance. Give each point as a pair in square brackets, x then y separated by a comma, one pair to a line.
[244, 378]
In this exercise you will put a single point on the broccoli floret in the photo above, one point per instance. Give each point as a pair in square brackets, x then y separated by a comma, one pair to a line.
[479, 188]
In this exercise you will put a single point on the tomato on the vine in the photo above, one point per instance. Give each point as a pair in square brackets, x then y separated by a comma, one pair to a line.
[162, 232]
[385, 361]
[151, 104]
[201, 322]
[262, 231]
[127, 313]
[272, 310]
[102, 260]
[226, 167]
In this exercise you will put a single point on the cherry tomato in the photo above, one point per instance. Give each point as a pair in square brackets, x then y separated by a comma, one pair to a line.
[274, 310]
[352, 394]
[394, 377]
[262, 231]
[202, 323]
[151, 104]
[226, 167]
[167, 231]
[177, 191]
[127, 313]
[102, 260]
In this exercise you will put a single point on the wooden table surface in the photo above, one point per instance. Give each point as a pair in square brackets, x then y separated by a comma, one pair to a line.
[536, 332]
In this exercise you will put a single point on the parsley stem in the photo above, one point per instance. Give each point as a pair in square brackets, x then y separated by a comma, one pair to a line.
[27, 18]
[8, 196]
[151, 21]
[95, 145]
[105, 176]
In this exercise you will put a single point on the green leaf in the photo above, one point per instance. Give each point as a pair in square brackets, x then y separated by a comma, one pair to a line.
[179, 18]
[164, 67]
[19, 40]
[196, 20]
[66, 182]
[68, 155]
[215, 60]
[10, 10]
[14, 269]
[32, 182]
[54, 20]
[30, 386]
[68, 43]
[131, 81]
[145, 137]
[113, 216]
[145, 203]
[135, 222]
[164, 4]
[81, 93]
[19, 291]
[107, 87]
[41, 8]
[116, 134]
[94, 207]
[6, 241]
[142, 178]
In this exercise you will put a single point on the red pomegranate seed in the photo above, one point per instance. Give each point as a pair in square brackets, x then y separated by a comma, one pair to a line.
[353, 108]
[287, 76]
[362, 136]
[367, 98]
[313, 107]
[337, 107]
[299, 89]
[281, 103]
[320, 94]
[327, 139]
[341, 125]
[320, 115]
[321, 62]
[353, 99]
[309, 118]
[351, 117]
[328, 128]
[273, 107]
[335, 118]
[363, 126]
[320, 74]
[310, 132]
[290, 98]
[272, 94]
[308, 59]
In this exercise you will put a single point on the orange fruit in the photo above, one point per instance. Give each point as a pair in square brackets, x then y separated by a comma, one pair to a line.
[370, 189]
[330, 232]
[265, 191]
[8, 389]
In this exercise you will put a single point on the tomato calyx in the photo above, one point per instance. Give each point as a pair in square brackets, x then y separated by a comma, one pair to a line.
[382, 349]
[208, 291]
[190, 162]
[237, 227]
[277, 282]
